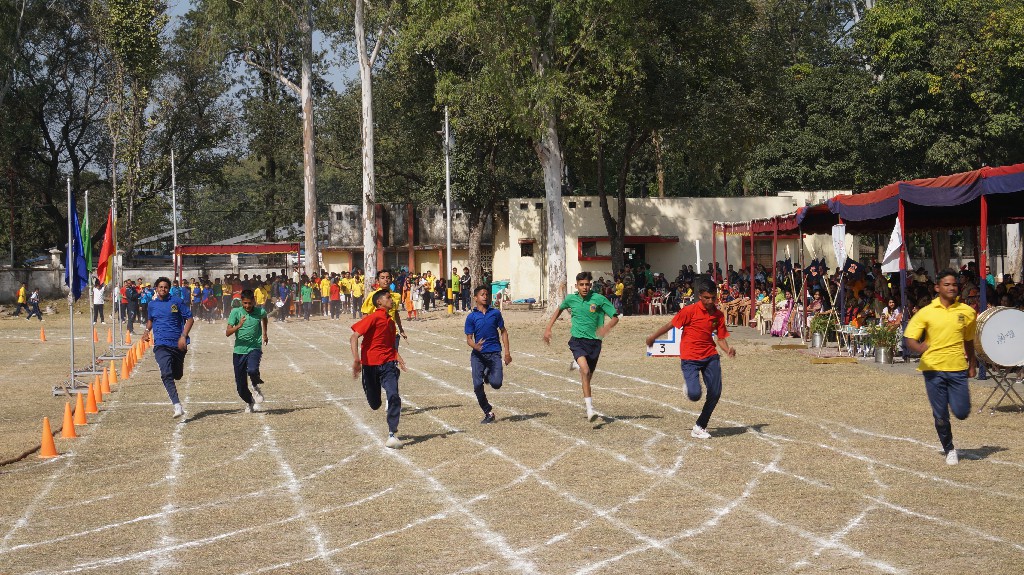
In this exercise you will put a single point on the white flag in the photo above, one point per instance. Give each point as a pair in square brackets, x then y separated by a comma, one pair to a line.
[891, 261]
[839, 243]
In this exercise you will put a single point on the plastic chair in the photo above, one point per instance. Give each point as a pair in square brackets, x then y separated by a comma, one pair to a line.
[657, 305]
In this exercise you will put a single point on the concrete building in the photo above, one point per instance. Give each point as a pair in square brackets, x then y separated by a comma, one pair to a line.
[413, 237]
[664, 232]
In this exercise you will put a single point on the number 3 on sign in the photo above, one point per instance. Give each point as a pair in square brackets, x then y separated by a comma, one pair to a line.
[667, 346]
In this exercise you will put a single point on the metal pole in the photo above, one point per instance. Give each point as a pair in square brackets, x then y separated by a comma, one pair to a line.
[696, 245]
[982, 275]
[903, 275]
[775, 265]
[714, 251]
[174, 202]
[92, 316]
[448, 200]
[71, 283]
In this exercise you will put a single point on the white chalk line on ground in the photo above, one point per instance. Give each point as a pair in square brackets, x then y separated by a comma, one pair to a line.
[776, 437]
[728, 505]
[480, 529]
[851, 552]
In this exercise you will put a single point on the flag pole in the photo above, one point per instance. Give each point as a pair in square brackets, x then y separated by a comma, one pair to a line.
[92, 315]
[71, 282]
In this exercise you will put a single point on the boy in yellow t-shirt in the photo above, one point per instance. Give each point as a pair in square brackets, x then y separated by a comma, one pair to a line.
[358, 288]
[345, 289]
[947, 356]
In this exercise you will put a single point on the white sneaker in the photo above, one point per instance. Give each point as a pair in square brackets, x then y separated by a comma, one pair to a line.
[178, 410]
[393, 442]
[592, 415]
[257, 395]
[699, 432]
[573, 366]
[952, 458]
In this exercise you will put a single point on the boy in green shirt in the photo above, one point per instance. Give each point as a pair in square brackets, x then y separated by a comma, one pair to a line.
[588, 311]
[248, 324]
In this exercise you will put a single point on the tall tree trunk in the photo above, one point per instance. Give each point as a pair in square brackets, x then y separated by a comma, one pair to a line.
[308, 157]
[942, 251]
[660, 168]
[477, 220]
[369, 183]
[549, 152]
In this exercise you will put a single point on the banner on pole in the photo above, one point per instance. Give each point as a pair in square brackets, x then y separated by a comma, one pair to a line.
[891, 260]
[839, 243]
[76, 273]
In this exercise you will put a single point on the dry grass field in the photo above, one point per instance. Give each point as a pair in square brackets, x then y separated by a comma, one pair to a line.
[810, 468]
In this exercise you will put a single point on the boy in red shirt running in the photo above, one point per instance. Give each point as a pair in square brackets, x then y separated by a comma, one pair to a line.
[697, 351]
[378, 361]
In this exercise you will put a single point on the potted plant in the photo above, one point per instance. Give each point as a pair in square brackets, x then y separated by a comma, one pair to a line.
[823, 328]
[885, 339]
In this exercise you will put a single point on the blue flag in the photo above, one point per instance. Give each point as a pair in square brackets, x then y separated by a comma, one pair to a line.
[76, 257]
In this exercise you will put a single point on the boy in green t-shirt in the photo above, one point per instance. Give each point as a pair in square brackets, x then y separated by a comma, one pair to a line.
[248, 324]
[588, 311]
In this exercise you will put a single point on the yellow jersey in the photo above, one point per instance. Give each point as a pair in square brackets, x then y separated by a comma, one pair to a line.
[21, 295]
[345, 285]
[945, 330]
[369, 307]
[260, 295]
[325, 288]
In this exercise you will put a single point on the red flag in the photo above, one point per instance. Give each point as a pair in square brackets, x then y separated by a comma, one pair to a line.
[105, 266]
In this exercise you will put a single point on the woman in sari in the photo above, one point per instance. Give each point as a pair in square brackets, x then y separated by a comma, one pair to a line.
[783, 311]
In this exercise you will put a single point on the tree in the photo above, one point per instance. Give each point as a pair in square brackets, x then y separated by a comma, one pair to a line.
[274, 37]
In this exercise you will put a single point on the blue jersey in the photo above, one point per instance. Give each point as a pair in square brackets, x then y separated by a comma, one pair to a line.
[486, 326]
[175, 291]
[168, 317]
[196, 293]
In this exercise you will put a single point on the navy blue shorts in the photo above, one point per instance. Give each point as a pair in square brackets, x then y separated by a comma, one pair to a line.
[586, 347]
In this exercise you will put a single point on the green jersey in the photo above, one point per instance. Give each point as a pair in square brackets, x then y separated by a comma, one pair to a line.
[307, 294]
[587, 313]
[250, 336]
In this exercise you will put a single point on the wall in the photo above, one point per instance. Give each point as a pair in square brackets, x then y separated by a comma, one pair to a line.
[49, 281]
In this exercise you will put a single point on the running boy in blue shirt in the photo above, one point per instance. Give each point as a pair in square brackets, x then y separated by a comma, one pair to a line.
[483, 326]
[169, 322]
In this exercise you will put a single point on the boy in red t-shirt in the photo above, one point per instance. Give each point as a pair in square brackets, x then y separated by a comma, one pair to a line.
[378, 361]
[698, 356]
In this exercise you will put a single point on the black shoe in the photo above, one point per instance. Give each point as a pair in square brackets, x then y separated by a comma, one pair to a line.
[489, 418]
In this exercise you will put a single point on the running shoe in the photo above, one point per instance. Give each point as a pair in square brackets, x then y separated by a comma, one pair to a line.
[952, 458]
[257, 395]
[699, 432]
[592, 415]
[178, 411]
[489, 418]
[393, 442]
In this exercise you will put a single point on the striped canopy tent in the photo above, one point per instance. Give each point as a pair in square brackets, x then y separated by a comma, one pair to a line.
[219, 250]
[965, 200]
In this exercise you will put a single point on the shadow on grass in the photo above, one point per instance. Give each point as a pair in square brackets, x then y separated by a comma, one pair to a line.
[606, 419]
[414, 439]
[981, 452]
[414, 411]
[1008, 408]
[524, 417]
[738, 430]
[241, 410]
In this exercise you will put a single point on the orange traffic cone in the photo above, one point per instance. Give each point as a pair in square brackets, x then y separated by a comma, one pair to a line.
[46, 447]
[113, 374]
[97, 391]
[124, 368]
[104, 382]
[110, 335]
[95, 336]
[90, 402]
[67, 431]
[128, 337]
[42, 334]
[80, 411]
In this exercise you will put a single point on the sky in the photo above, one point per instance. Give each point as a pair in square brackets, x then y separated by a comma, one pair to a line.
[338, 76]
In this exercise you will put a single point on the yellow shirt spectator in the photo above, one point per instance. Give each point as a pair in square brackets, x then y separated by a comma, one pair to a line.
[325, 287]
[22, 297]
[345, 285]
[260, 295]
[369, 307]
[618, 289]
[945, 330]
[358, 287]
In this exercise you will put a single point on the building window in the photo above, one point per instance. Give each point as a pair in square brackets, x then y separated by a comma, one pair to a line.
[588, 249]
[572, 204]
[524, 206]
[539, 205]
[458, 215]
[526, 250]
[339, 216]
[587, 203]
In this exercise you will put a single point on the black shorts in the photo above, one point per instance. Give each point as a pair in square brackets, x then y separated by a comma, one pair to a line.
[585, 347]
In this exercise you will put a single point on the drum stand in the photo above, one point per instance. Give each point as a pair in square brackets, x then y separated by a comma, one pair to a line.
[1004, 378]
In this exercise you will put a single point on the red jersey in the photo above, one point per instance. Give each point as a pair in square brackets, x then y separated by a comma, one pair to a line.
[698, 324]
[378, 333]
[335, 292]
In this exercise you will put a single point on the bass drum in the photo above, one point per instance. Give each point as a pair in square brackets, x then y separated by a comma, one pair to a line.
[999, 339]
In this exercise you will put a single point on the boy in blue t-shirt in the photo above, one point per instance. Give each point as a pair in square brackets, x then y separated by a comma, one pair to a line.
[169, 322]
[484, 325]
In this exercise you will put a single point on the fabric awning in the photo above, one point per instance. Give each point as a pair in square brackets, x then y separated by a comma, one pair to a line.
[218, 250]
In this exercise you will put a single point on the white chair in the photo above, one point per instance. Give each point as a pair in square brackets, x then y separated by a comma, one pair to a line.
[657, 303]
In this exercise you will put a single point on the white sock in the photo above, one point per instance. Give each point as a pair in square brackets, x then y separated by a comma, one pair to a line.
[590, 403]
